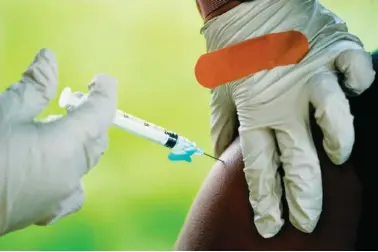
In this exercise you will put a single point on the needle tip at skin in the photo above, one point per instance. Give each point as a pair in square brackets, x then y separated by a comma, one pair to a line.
[210, 156]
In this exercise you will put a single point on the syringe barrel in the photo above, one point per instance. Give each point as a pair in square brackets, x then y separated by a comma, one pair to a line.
[145, 129]
[127, 122]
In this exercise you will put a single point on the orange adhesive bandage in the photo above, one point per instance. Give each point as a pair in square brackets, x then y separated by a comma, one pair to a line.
[251, 56]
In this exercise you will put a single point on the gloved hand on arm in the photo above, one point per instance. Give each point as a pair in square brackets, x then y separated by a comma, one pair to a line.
[272, 106]
[42, 162]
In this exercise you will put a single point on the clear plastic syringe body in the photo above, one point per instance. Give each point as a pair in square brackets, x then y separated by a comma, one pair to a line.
[133, 124]
[145, 129]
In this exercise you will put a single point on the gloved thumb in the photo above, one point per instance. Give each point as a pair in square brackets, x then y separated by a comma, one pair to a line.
[224, 122]
[92, 119]
[27, 98]
[357, 68]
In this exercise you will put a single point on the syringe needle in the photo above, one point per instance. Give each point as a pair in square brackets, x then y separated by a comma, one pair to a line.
[210, 156]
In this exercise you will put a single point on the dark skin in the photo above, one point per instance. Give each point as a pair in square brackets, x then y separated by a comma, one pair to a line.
[221, 217]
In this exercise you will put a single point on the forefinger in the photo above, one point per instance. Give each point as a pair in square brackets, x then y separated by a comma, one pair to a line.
[302, 180]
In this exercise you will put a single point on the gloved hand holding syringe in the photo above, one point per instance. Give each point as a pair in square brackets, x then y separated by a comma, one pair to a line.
[182, 148]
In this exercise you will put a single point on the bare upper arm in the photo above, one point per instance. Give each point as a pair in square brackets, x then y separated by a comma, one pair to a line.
[222, 219]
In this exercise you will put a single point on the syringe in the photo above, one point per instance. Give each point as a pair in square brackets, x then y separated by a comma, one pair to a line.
[182, 148]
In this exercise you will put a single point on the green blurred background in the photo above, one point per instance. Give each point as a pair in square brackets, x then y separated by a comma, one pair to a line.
[136, 198]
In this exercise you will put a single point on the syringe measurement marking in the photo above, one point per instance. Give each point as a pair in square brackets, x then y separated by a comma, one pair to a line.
[172, 137]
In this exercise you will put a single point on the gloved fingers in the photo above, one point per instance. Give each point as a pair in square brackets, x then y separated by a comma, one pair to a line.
[357, 68]
[302, 180]
[92, 119]
[67, 206]
[83, 132]
[86, 149]
[332, 114]
[94, 149]
[261, 162]
[223, 120]
[24, 100]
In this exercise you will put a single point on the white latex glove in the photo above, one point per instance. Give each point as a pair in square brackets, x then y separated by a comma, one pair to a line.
[272, 106]
[42, 163]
